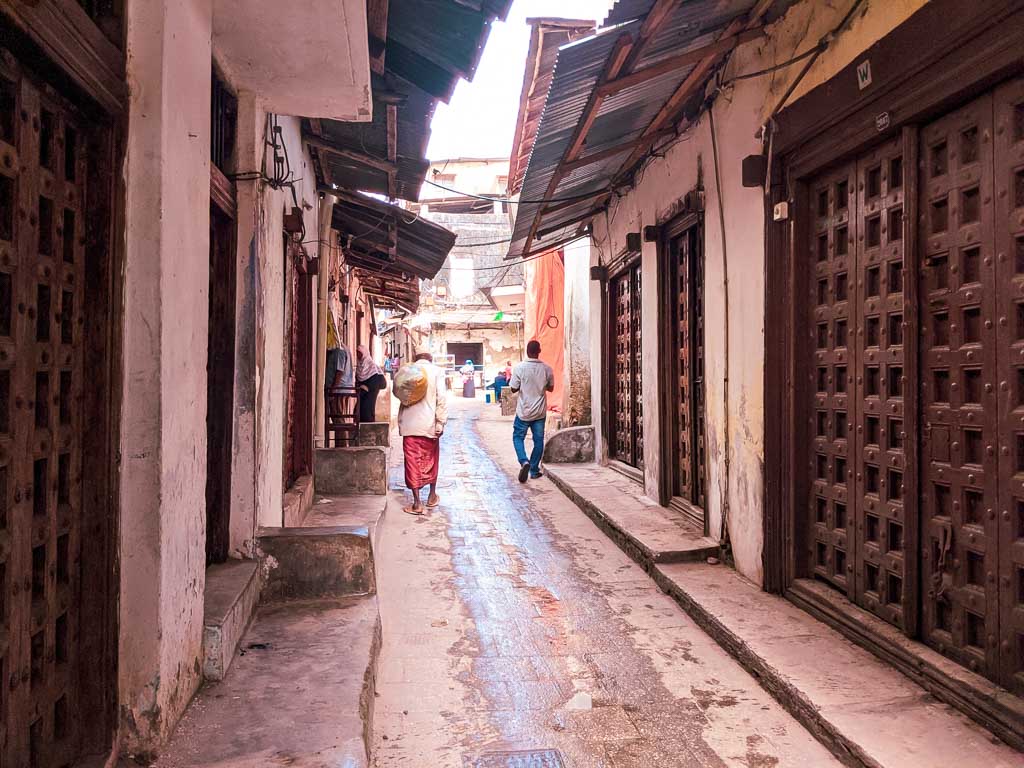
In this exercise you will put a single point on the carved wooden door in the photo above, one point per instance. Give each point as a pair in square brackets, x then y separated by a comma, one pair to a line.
[857, 511]
[972, 497]
[960, 472]
[42, 277]
[626, 418]
[686, 252]
[831, 252]
[1009, 249]
[879, 421]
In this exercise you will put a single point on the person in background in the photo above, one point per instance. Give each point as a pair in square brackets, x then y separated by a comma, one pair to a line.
[499, 383]
[338, 372]
[370, 381]
[388, 370]
[508, 370]
[468, 372]
[532, 379]
[421, 426]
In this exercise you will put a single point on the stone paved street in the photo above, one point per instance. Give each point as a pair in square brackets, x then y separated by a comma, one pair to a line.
[511, 623]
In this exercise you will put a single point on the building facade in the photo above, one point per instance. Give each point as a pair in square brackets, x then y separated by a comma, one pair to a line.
[803, 295]
[174, 244]
[473, 308]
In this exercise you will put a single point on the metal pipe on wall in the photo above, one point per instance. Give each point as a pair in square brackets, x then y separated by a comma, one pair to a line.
[323, 278]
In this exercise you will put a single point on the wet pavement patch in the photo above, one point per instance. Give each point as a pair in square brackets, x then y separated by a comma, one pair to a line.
[532, 758]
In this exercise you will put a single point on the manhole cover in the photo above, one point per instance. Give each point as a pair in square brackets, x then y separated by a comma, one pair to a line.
[530, 758]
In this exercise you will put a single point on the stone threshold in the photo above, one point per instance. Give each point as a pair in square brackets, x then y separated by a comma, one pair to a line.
[649, 533]
[866, 711]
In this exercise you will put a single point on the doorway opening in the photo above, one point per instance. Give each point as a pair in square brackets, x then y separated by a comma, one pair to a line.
[623, 355]
[683, 388]
[220, 380]
[220, 351]
[463, 351]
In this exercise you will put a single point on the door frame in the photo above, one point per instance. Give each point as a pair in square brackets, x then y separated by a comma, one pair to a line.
[668, 373]
[68, 53]
[812, 134]
[622, 263]
[975, 49]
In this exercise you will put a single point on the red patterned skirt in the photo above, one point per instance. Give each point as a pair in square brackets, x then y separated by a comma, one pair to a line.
[422, 456]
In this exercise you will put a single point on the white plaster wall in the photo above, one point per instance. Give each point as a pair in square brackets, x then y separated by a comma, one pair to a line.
[576, 406]
[499, 344]
[249, 222]
[308, 58]
[163, 480]
[475, 176]
[598, 296]
[272, 346]
[738, 115]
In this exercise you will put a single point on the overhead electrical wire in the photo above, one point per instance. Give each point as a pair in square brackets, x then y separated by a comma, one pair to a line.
[510, 201]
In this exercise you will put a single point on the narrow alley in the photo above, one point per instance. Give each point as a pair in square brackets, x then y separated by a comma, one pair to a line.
[512, 623]
[749, 275]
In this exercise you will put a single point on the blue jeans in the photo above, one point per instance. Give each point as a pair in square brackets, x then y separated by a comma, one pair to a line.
[536, 428]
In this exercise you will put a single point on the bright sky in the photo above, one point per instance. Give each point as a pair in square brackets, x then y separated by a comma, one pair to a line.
[481, 118]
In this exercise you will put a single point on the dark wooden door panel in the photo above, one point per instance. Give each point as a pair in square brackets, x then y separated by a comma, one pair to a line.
[42, 279]
[1008, 185]
[960, 485]
[686, 317]
[878, 421]
[831, 252]
[626, 372]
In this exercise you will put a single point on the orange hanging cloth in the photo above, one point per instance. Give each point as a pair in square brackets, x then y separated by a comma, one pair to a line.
[543, 319]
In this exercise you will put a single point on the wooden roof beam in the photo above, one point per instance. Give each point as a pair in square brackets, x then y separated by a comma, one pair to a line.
[377, 28]
[604, 154]
[659, 12]
[612, 69]
[560, 206]
[568, 223]
[690, 85]
[350, 154]
[392, 131]
[719, 46]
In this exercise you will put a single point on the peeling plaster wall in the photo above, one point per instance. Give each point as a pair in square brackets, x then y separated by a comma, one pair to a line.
[576, 406]
[163, 434]
[499, 344]
[738, 116]
[272, 347]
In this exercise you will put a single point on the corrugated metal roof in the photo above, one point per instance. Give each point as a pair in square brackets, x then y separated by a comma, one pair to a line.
[547, 36]
[366, 226]
[430, 45]
[577, 71]
[627, 10]
[622, 117]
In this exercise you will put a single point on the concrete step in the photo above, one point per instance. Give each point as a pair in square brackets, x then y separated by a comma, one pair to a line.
[330, 555]
[351, 471]
[300, 692]
[647, 532]
[232, 592]
[867, 712]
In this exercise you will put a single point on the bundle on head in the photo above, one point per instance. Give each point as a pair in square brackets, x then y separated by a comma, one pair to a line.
[410, 384]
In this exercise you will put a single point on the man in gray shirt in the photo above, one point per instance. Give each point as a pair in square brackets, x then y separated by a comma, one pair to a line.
[532, 379]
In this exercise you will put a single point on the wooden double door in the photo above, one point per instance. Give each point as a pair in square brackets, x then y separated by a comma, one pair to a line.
[625, 357]
[916, 459]
[684, 375]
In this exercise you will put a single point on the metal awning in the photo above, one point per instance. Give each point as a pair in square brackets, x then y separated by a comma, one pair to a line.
[390, 248]
[616, 96]
[429, 46]
[547, 35]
